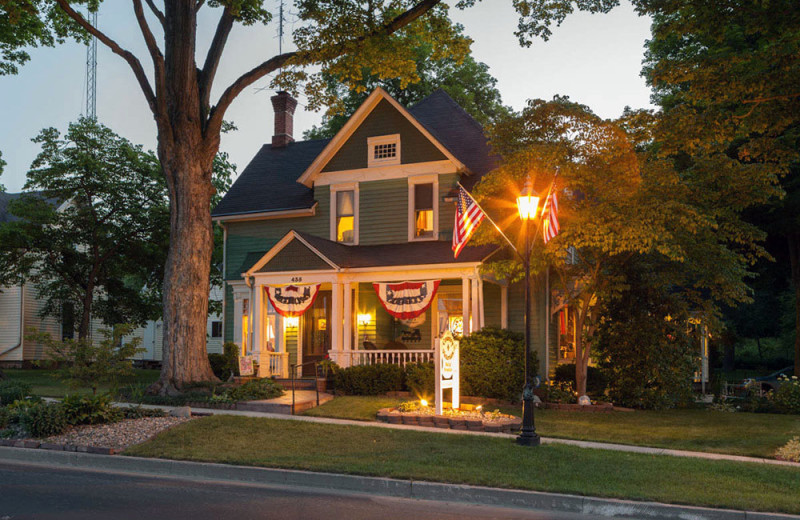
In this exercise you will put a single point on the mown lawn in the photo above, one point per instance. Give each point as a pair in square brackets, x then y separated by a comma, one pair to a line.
[478, 460]
[46, 385]
[755, 435]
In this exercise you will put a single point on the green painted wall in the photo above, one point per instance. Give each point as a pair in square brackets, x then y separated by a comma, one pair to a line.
[383, 210]
[516, 309]
[384, 120]
[295, 256]
[491, 304]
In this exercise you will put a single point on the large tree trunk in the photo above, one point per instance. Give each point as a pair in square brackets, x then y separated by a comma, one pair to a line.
[581, 354]
[86, 312]
[794, 259]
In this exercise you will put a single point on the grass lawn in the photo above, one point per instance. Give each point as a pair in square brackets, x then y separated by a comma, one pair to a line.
[755, 435]
[46, 385]
[478, 460]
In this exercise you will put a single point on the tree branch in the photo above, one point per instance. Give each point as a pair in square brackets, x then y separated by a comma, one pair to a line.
[218, 112]
[132, 60]
[212, 58]
[757, 101]
[199, 5]
[152, 47]
[156, 12]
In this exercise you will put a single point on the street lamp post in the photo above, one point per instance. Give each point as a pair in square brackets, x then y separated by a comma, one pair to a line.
[527, 205]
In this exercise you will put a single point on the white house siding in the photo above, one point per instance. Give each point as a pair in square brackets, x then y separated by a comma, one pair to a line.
[10, 324]
[33, 350]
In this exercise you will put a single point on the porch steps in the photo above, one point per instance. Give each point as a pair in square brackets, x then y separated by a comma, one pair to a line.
[304, 399]
[299, 384]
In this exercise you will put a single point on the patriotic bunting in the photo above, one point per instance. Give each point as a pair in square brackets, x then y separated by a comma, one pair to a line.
[292, 300]
[550, 226]
[406, 300]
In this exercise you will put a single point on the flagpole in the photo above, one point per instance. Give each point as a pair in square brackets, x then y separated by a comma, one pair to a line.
[490, 219]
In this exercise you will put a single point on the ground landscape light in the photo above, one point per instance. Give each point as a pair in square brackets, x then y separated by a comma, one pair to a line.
[423, 402]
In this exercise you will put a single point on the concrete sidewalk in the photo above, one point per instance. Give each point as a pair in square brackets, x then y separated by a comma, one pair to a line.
[545, 440]
[375, 486]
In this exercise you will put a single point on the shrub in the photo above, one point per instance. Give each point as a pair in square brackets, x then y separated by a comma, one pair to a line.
[5, 418]
[230, 351]
[43, 419]
[11, 391]
[255, 389]
[219, 365]
[90, 409]
[560, 392]
[492, 362]
[787, 396]
[791, 451]
[420, 379]
[369, 379]
[596, 380]
[137, 412]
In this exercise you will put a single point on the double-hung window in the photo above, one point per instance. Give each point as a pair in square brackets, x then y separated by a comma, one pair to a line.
[423, 207]
[344, 214]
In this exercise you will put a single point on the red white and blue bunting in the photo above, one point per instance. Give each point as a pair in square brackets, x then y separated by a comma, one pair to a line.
[406, 300]
[292, 300]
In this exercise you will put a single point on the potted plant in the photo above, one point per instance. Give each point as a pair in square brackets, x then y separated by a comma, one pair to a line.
[325, 369]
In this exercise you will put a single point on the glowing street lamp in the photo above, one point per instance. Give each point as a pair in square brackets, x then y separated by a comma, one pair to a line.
[528, 206]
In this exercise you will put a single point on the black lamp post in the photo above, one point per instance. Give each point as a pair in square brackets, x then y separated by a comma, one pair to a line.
[527, 205]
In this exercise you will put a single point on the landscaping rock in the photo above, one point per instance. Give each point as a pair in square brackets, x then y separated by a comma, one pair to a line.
[410, 419]
[117, 436]
[394, 419]
[31, 444]
[440, 421]
[100, 450]
[183, 412]
[52, 446]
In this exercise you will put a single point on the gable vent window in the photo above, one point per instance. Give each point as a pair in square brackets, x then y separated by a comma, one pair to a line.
[383, 150]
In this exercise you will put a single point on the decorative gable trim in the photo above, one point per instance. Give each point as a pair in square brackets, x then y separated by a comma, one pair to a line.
[277, 248]
[354, 122]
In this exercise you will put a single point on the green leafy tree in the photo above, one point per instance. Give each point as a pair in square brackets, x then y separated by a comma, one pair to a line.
[91, 364]
[339, 37]
[467, 81]
[2, 165]
[726, 76]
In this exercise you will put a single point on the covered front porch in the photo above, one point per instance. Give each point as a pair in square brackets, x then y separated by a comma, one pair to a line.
[347, 322]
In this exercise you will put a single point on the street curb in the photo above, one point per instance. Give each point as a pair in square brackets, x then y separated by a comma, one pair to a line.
[388, 487]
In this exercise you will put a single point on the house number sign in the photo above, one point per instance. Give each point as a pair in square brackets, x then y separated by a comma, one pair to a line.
[446, 361]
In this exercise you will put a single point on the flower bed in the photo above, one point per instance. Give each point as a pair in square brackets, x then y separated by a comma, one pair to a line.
[468, 420]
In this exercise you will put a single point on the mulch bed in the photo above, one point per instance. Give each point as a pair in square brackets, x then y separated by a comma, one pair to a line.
[467, 422]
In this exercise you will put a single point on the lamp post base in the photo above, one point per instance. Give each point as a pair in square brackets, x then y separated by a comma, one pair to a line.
[531, 439]
[528, 436]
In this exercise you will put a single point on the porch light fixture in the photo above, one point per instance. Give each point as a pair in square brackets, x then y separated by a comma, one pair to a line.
[292, 321]
[528, 201]
[528, 207]
[364, 319]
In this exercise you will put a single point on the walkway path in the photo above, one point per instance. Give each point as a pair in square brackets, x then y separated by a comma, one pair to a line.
[545, 440]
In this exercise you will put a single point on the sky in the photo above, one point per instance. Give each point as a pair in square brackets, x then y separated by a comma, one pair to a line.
[593, 59]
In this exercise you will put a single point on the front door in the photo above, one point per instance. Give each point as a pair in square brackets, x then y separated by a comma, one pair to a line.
[316, 332]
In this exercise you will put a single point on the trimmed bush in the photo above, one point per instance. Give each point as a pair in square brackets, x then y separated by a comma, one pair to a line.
[219, 365]
[492, 364]
[43, 419]
[90, 409]
[230, 351]
[11, 391]
[255, 389]
[787, 396]
[369, 379]
[596, 380]
[420, 379]
[137, 412]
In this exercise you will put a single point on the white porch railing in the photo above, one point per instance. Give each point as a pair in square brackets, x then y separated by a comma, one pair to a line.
[273, 364]
[393, 357]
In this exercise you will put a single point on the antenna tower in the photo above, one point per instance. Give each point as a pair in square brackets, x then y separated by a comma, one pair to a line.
[91, 71]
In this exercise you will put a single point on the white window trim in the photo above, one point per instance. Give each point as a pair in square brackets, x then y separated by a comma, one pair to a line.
[413, 181]
[349, 186]
[372, 142]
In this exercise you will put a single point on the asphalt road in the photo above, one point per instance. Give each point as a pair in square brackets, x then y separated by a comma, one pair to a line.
[36, 492]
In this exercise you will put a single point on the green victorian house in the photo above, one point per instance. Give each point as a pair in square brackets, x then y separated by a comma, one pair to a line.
[341, 247]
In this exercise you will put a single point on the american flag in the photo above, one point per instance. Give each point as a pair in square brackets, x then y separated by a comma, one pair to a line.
[468, 216]
[550, 227]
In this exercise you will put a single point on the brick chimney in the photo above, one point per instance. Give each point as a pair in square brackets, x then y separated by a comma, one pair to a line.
[284, 106]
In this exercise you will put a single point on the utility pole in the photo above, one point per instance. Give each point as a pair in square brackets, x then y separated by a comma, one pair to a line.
[91, 71]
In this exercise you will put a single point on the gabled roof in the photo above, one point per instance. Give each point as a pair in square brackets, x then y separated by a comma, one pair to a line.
[340, 256]
[269, 183]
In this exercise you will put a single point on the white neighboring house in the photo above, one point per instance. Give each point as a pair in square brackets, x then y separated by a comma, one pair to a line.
[19, 312]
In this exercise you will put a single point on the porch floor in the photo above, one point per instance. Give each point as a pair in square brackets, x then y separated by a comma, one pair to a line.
[304, 399]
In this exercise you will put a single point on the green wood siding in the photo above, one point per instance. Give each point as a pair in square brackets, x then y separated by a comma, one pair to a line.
[491, 304]
[383, 212]
[447, 210]
[384, 120]
[516, 310]
[295, 256]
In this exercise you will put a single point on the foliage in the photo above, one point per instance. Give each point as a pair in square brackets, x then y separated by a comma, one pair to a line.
[420, 379]
[327, 367]
[596, 379]
[787, 396]
[5, 417]
[492, 364]
[138, 412]
[91, 363]
[231, 352]
[219, 365]
[255, 389]
[43, 419]
[467, 81]
[2, 165]
[90, 409]
[791, 451]
[12, 390]
[369, 379]
[560, 392]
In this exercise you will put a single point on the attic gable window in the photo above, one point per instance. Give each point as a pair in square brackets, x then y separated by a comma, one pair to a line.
[383, 150]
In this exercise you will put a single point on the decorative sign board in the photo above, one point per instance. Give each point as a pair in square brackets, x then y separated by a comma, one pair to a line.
[446, 361]
[245, 365]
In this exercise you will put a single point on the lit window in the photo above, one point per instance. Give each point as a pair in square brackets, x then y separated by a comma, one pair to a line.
[423, 210]
[345, 216]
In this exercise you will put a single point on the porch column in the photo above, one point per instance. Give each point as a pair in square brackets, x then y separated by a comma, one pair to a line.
[347, 330]
[503, 306]
[465, 304]
[476, 312]
[336, 317]
[238, 311]
[482, 303]
[257, 324]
